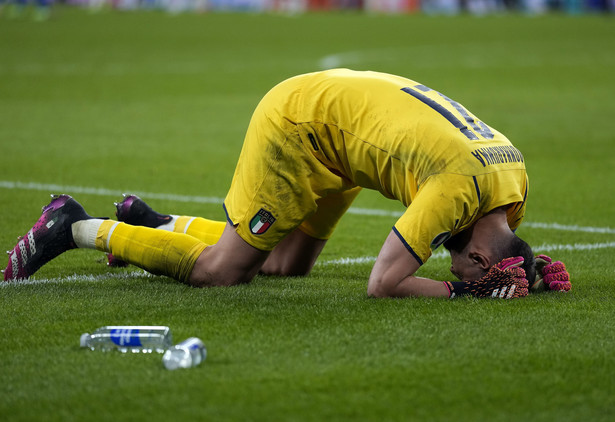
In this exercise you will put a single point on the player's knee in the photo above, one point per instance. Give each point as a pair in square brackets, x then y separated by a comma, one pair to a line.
[285, 269]
[229, 262]
[208, 272]
[379, 288]
[210, 279]
[207, 278]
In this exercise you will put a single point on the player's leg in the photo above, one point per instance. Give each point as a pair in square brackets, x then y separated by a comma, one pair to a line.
[296, 254]
[229, 262]
[180, 256]
[49, 237]
[65, 225]
[133, 210]
[186, 258]
[156, 251]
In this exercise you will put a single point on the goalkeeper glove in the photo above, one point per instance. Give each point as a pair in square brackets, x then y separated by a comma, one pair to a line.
[505, 280]
[550, 275]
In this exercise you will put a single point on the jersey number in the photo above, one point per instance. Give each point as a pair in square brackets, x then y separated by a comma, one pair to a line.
[479, 127]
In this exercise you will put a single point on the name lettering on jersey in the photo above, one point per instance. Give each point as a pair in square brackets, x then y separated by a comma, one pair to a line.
[498, 155]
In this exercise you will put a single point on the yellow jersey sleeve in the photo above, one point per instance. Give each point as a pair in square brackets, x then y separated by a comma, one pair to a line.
[443, 206]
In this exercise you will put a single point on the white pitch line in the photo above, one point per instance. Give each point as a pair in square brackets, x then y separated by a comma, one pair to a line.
[76, 277]
[576, 247]
[53, 188]
[70, 189]
[570, 228]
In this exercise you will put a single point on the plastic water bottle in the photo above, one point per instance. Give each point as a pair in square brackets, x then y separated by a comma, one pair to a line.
[187, 354]
[135, 339]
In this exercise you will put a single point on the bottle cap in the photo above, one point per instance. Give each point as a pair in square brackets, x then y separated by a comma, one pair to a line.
[83, 341]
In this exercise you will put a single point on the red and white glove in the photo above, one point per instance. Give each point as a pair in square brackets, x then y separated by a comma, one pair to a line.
[551, 275]
[504, 280]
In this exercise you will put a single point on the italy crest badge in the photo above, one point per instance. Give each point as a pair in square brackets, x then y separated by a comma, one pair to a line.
[261, 222]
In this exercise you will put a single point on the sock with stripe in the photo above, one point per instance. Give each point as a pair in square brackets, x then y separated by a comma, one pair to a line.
[156, 251]
[208, 231]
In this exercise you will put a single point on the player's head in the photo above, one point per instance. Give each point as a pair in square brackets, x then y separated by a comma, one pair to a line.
[515, 246]
[472, 258]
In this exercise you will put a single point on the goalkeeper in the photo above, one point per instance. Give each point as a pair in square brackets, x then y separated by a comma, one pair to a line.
[313, 143]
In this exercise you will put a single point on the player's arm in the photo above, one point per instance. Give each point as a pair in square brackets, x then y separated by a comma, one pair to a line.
[393, 274]
[429, 215]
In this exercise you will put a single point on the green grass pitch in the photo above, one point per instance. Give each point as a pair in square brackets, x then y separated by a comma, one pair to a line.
[95, 105]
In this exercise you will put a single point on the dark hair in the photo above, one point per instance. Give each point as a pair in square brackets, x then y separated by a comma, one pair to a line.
[515, 246]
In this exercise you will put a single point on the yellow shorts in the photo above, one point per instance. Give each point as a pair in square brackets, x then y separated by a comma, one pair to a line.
[278, 183]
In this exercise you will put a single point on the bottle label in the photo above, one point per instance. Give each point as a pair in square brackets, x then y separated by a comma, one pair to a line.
[126, 337]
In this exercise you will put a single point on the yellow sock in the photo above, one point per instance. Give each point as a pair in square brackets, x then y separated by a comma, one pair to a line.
[208, 231]
[156, 251]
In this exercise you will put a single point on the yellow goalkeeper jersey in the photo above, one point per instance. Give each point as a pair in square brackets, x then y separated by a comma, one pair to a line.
[412, 144]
